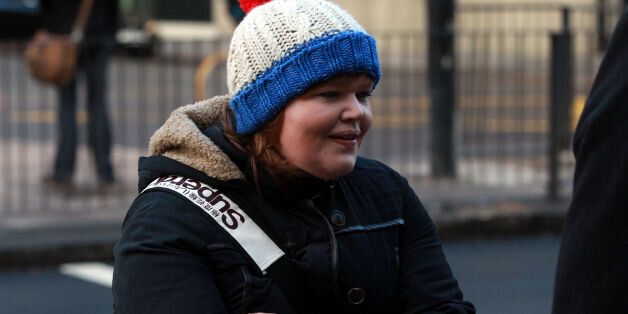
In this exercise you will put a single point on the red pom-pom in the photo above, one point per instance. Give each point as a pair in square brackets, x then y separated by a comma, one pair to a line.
[248, 5]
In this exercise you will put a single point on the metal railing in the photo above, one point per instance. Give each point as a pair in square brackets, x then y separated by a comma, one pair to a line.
[502, 115]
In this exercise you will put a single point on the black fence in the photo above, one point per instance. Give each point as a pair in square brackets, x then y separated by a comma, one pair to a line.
[502, 118]
[523, 73]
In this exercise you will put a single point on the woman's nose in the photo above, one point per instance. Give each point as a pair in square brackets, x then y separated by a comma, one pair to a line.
[353, 108]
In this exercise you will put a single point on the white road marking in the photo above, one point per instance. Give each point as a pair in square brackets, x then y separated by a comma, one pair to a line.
[98, 273]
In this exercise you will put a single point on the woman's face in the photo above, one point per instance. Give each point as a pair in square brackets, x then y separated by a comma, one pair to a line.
[323, 128]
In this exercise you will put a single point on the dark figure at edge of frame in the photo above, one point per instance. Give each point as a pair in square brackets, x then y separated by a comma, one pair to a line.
[257, 201]
[94, 54]
[592, 273]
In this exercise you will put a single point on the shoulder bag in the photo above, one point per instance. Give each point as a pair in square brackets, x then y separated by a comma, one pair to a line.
[52, 58]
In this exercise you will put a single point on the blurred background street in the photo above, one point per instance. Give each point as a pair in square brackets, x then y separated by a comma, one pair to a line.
[476, 107]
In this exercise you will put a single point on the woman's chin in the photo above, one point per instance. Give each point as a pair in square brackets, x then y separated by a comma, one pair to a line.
[335, 170]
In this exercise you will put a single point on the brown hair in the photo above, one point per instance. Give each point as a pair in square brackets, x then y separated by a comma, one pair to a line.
[261, 147]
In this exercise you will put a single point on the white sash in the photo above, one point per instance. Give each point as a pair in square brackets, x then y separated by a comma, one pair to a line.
[227, 214]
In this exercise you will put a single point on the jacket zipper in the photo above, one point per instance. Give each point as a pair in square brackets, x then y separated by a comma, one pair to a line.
[246, 289]
[334, 246]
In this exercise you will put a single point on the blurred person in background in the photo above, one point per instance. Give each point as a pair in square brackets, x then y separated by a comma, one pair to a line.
[257, 201]
[58, 17]
[592, 273]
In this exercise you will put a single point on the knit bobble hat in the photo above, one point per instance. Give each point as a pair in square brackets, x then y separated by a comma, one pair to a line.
[283, 47]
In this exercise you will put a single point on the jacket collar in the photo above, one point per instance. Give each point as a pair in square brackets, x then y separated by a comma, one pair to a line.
[181, 138]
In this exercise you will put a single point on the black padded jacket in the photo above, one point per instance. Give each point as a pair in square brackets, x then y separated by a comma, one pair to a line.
[360, 244]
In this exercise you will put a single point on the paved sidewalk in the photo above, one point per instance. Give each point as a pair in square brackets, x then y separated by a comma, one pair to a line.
[53, 239]
[461, 210]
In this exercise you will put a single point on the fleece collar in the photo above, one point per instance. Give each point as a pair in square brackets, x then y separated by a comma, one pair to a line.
[181, 138]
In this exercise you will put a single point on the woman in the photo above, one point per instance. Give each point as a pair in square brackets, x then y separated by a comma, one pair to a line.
[258, 202]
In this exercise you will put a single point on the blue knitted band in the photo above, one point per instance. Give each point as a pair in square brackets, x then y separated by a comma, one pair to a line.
[315, 61]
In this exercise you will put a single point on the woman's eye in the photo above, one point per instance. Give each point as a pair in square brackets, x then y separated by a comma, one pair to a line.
[363, 97]
[329, 95]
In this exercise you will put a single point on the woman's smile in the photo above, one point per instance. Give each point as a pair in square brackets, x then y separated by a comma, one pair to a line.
[348, 138]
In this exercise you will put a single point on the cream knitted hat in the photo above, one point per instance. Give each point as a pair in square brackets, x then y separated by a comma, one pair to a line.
[283, 47]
